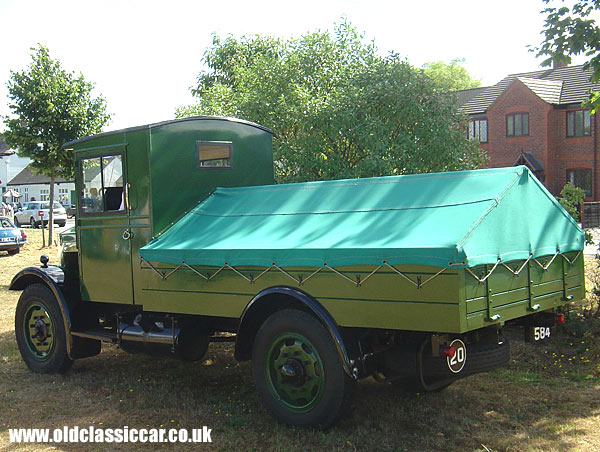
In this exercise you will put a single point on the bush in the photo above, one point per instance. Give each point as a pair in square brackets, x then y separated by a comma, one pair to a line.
[571, 197]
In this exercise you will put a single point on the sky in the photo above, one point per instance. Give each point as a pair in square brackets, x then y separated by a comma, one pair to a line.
[144, 56]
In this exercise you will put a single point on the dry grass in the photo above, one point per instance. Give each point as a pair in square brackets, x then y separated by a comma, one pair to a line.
[547, 399]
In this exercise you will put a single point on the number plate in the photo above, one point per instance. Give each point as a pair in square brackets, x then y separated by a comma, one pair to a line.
[537, 333]
[8, 239]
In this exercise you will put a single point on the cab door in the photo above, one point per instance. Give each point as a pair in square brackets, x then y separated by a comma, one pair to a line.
[103, 227]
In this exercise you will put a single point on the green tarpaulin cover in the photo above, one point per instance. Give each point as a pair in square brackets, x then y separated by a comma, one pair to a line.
[454, 219]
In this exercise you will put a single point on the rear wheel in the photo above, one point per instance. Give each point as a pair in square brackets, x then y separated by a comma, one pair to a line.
[40, 331]
[298, 372]
[13, 251]
[33, 223]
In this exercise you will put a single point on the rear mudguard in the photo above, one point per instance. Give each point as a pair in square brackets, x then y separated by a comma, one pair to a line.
[252, 317]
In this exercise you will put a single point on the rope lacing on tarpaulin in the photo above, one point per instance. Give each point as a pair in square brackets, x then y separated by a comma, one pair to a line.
[298, 280]
[418, 283]
[517, 272]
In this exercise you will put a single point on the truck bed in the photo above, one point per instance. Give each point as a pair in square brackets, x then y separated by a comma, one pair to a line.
[449, 252]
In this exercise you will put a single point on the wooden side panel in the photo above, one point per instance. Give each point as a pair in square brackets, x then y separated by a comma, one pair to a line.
[545, 284]
[419, 300]
[383, 300]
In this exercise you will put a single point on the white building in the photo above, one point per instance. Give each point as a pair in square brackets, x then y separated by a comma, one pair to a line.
[10, 165]
[36, 187]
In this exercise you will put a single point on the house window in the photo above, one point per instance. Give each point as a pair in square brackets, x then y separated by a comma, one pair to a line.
[478, 130]
[517, 125]
[579, 123]
[581, 178]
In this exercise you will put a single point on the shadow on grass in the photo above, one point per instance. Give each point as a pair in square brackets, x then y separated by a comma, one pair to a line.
[116, 389]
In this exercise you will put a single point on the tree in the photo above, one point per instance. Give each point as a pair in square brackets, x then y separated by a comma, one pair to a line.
[49, 107]
[338, 109]
[572, 31]
[451, 77]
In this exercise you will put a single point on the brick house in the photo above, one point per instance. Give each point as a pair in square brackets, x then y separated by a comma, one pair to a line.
[536, 119]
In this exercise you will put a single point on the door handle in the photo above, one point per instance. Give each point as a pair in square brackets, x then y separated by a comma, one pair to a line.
[127, 234]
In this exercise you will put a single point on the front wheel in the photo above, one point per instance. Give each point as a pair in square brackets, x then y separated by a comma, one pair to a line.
[298, 372]
[40, 331]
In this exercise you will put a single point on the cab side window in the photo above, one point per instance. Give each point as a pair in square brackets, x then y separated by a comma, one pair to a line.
[102, 185]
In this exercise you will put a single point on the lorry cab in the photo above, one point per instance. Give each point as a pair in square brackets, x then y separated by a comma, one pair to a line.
[132, 184]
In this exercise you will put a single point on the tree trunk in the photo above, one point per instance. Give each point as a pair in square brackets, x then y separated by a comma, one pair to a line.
[51, 209]
[43, 233]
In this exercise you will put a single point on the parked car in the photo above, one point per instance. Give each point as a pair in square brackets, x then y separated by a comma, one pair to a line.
[71, 211]
[11, 237]
[67, 240]
[34, 212]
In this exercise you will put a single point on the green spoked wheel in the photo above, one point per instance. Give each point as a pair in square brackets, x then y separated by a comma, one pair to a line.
[40, 331]
[298, 372]
[294, 372]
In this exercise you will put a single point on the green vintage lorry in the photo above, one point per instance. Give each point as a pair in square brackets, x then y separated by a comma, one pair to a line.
[182, 236]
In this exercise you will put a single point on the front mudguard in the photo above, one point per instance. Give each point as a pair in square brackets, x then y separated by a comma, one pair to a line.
[67, 297]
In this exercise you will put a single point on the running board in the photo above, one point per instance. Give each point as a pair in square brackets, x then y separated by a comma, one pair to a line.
[111, 336]
[101, 335]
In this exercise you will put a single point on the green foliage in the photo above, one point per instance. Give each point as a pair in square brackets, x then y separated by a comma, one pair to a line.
[570, 198]
[338, 109]
[573, 31]
[450, 77]
[49, 107]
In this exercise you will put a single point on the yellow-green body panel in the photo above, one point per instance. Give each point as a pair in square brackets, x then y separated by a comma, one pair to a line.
[453, 301]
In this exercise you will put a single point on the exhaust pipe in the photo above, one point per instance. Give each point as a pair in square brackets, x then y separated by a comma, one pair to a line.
[136, 333]
[151, 337]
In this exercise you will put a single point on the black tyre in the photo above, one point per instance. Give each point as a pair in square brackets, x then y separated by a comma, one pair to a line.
[298, 372]
[437, 376]
[16, 222]
[40, 331]
[62, 225]
[14, 251]
[33, 223]
[480, 358]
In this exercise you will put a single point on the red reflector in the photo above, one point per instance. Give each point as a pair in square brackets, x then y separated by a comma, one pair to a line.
[448, 351]
[560, 318]
[41, 213]
[23, 235]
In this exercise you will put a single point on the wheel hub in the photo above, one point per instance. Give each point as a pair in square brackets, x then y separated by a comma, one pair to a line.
[295, 372]
[38, 331]
[41, 330]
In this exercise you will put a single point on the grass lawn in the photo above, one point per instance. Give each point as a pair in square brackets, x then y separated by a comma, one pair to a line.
[547, 399]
